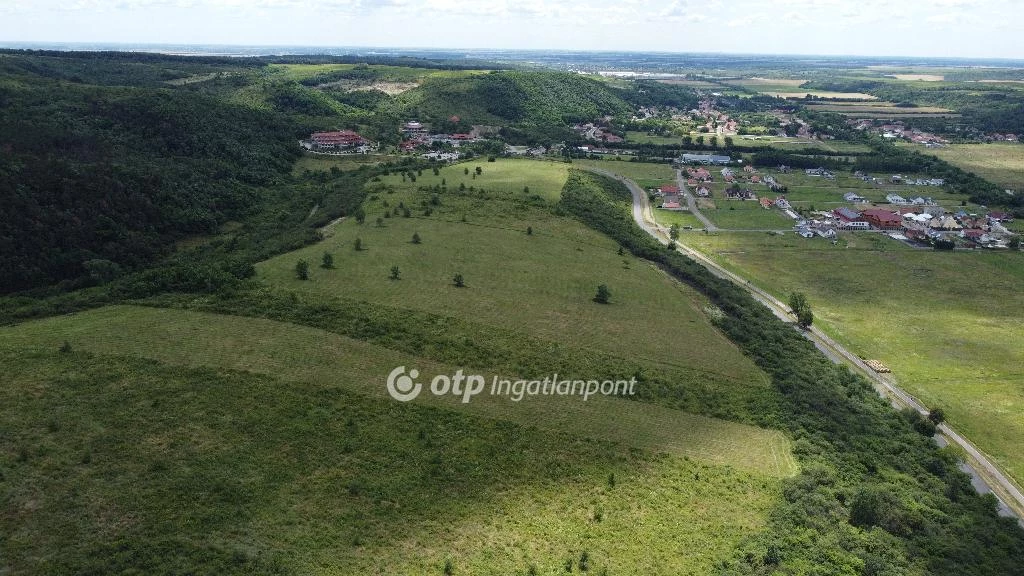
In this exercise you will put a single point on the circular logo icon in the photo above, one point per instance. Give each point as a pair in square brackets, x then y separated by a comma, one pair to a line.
[402, 387]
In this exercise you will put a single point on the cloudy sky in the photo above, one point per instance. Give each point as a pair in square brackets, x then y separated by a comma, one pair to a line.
[946, 28]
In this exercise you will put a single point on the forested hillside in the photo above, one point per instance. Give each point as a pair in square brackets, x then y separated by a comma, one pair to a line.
[96, 179]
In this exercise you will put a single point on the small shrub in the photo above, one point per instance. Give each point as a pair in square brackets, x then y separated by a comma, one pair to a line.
[396, 274]
[327, 262]
[358, 244]
[416, 238]
[459, 281]
[603, 294]
[302, 270]
[65, 348]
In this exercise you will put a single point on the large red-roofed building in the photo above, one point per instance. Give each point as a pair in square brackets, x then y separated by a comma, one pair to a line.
[883, 219]
[337, 140]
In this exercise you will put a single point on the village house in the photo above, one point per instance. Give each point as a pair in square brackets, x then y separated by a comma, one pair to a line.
[883, 219]
[848, 215]
[766, 203]
[669, 189]
[896, 199]
[703, 192]
[854, 198]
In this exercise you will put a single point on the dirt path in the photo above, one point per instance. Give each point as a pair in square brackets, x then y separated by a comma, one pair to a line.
[986, 476]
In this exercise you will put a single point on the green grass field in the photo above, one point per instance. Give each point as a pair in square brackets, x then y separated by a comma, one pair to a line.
[747, 215]
[947, 324]
[500, 262]
[645, 138]
[681, 217]
[645, 174]
[172, 440]
[1000, 163]
[115, 464]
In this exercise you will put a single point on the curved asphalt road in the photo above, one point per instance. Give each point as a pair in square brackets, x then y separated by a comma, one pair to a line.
[986, 475]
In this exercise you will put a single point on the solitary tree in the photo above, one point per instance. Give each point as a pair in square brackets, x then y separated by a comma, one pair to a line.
[302, 270]
[621, 251]
[465, 171]
[380, 222]
[797, 301]
[479, 170]
[937, 416]
[673, 232]
[395, 273]
[360, 216]
[529, 230]
[459, 281]
[358, 245]
[805, 317]
[526, 189]
[603, 294]
[328, 261]
[416, 238]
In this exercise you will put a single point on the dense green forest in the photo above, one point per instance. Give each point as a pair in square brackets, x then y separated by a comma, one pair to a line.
[108, 177]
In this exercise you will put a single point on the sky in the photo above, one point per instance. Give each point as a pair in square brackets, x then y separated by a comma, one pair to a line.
[929, 28]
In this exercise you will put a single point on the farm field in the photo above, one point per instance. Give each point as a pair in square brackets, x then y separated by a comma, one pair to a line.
[790, 88]
[798, 144]
[645, 174]
[998, 162]
[950, 332]
[681, 217]
[146, 465]
[645, 138]
[746, 215]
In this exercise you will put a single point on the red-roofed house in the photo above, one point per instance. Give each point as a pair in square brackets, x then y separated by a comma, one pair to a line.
[339, 140]
[883, 219]
[669, 189]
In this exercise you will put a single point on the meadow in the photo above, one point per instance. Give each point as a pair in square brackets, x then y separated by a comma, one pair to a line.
[168, 439]
[950, 331]
[645, 174]
[681, 217]
[120, 464]
[651, 318]
[1001, 163]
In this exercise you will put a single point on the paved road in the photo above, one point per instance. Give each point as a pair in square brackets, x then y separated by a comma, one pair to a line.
[986, 472]
[692, 203]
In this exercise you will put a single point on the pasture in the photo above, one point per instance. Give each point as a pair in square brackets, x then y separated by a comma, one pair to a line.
[1001, 163]
[122, 463]
[948, 324]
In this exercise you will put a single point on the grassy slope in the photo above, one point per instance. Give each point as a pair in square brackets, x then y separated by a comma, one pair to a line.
[248, 446]
[950, 331]
[541, 283]
[120, 464]
[298, 354]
